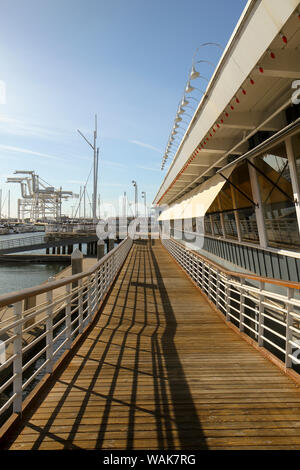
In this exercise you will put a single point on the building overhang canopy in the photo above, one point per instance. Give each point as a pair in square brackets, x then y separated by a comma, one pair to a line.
[250, 90]
[199, 201]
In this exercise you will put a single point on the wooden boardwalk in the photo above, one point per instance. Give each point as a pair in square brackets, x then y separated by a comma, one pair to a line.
[161, 370]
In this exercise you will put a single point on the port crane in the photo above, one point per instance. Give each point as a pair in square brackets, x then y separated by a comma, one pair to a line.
[39, 200]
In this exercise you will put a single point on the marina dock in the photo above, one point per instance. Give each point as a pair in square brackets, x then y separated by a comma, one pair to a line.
[158, 368]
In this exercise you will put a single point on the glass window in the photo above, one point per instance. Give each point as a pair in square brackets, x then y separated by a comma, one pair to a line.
[216, 225]
[236, 196]
[248, 224]
[207, 225]
[296, 148]
[277, 197]
[230, 225]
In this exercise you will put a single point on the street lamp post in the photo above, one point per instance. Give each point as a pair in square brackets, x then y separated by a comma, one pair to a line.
[144, 197]
[135, 197]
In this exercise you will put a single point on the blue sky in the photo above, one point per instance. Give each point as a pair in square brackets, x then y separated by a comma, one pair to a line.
[62, 61]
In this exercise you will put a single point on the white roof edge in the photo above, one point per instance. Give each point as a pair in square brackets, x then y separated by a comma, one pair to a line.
[233, 41]
[247, 10]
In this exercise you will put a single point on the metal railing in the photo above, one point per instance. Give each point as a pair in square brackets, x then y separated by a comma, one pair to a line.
[32, 340]
[19, 242]
[267, 310]
[283, 230]
[68, 228]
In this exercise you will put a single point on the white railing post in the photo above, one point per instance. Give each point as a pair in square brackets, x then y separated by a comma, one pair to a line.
[218, 290]
[49, 332]
[80, 306]
[17, 364]
[209, 283]
[242, 306]
[227, 301]
[98, 284]
[89, 297]
[261, 315]
[201, 273]
[68, 316]
[289, 334]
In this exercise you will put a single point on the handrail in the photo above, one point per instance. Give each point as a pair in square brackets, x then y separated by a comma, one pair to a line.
[268, 315]
[56, 318]
[24, 241]
[16, 296]
[253, 277]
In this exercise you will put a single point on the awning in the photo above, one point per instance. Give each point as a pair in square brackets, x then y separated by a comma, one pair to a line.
[199, 201]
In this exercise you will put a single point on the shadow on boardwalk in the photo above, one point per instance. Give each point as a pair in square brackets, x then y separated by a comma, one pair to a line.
[125, 386]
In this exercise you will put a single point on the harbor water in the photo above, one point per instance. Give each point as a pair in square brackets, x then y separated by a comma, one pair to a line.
[20, 275]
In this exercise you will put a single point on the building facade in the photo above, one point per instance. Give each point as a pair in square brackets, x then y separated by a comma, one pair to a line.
[232, 188]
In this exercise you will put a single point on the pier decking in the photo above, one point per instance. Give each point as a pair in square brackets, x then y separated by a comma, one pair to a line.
[161, 370]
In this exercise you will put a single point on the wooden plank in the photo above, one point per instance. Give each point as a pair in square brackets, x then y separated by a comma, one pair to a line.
[160, 369]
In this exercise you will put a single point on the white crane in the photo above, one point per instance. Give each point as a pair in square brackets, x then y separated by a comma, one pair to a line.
[39, 200]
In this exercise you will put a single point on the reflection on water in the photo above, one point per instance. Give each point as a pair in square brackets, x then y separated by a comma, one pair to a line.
[16, 276]
[19, 275]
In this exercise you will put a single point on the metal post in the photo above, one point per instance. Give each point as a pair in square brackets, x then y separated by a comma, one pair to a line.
[259, 208]
[17, 364]
[145, 204]
[8, 204]
[95, 166]
[294, 176]
[111, 244]
[289, 334]
[77, 264]
[68, 316]
[80, 307]
[49, 331]
[84, 214]
[242, 307]
[79, 206]
[135, 197]
[261, 318]
[100, 249]
[90, 311]
[227, 300]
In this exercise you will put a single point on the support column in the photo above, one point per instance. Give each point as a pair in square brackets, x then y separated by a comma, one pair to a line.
[77, 264]
[236, 214]
[47, 251]
[294, 176]
[111, 244]
[64, 250]
[263, 240]
[53, 250]
[70, 249]
[100, 249]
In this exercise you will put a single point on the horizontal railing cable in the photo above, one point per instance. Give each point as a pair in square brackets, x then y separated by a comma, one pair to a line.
[34, 339]
[267, 310]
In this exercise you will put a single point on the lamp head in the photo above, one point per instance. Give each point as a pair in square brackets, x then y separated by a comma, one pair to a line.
[194, 74]
[189, 88]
